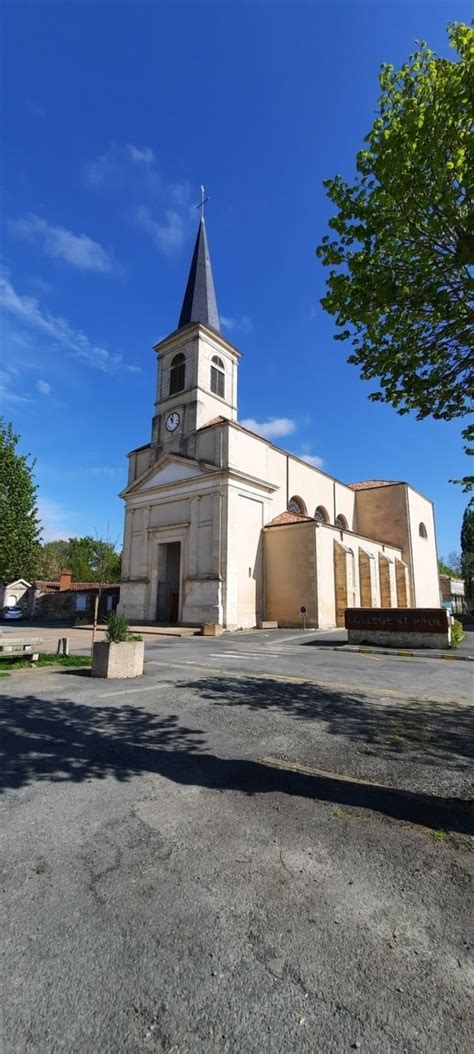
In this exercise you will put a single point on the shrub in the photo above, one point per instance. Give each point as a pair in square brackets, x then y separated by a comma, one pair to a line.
[117, 629]
[457, 633]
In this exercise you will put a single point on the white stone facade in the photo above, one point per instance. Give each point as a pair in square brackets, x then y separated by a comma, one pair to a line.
[200, 541]
[212, 508]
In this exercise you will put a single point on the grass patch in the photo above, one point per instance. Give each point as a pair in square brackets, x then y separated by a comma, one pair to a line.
[45, 659]
[439, 836]
[457, 633]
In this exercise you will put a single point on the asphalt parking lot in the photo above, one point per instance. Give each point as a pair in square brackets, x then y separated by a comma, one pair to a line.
[259, 846]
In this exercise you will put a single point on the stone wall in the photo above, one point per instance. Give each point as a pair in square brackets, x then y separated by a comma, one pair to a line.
[399, 627]
[399, 640]
[59, 606]
[290, 574]
[401, 578]
[385, 587]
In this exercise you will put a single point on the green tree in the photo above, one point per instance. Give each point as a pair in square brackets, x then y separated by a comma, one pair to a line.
[93, 560]
[450, 565]
[51, 559]
[400, 282]
[19, 523]
[89, 560]
[467, 552]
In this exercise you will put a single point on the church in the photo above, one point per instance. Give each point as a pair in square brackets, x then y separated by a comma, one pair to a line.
[224, 527]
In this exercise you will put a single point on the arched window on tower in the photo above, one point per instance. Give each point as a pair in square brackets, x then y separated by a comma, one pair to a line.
[321, 514]
[177, 374]
[297, 505]
[217, 376]
[422, 530]
[341, 522]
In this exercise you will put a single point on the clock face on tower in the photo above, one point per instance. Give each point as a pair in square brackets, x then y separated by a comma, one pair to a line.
[172, 422]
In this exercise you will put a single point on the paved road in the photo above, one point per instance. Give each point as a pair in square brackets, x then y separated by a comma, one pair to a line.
[260, 846]
[310, 655]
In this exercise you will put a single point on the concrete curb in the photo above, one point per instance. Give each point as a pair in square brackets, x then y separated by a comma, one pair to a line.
[401, 653]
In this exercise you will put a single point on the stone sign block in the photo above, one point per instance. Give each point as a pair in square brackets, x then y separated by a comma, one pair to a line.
[399, 627]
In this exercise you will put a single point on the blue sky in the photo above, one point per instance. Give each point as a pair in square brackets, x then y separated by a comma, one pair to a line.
[113, 116]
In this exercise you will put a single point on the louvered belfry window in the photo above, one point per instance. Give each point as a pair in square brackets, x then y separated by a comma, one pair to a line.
[217, 377]
[177, 374]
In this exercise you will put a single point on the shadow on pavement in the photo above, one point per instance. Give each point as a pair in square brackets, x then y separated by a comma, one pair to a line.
[435, 733]
[65, 741]
[334, 639]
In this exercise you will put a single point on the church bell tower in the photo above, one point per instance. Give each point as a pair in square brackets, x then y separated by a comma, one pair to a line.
[197, 366]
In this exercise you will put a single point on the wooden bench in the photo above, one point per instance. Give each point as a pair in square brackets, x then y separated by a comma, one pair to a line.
[20, 647]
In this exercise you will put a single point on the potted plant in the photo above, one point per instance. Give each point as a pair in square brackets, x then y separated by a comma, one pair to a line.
[121, 654]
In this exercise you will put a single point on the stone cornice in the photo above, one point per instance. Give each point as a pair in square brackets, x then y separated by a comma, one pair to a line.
[189, 333]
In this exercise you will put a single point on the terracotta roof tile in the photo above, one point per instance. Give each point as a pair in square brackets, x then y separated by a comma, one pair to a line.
[76, 587]
[289, 517]
[370, 484]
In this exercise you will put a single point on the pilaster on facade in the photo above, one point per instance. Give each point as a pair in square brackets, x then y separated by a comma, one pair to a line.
[127, 538]
[194, 536]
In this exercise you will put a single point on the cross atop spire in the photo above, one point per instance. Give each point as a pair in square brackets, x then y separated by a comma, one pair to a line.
[202, 201]
[199, 304]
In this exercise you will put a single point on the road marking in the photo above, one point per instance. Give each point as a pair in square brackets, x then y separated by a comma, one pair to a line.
[230, 655]
[250, 654]
[132, 691]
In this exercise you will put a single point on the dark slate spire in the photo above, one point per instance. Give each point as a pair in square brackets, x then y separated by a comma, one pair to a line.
[199, 304]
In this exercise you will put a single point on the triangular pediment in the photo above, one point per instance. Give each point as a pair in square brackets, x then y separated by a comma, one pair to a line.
[169, 469]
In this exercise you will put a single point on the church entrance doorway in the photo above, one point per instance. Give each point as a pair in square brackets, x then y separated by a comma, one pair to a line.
[169, 559]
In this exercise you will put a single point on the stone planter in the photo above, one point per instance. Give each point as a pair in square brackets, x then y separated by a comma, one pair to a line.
[211, 629]
[118, 660]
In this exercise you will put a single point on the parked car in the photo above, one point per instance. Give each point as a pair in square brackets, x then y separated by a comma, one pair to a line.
[12, 613]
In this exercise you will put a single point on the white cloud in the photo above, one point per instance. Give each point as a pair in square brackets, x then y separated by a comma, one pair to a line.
[54, 519]
[43, 387]
[312, 459]
[168, 236]
[243, 324]
[78, 250]
[7, 394]
[103, 470]
[164, 210]
[26, 310]
[180, 193]
[145, 156]
[122, 167]
[272, 428]
[101, 170]
[38, 285]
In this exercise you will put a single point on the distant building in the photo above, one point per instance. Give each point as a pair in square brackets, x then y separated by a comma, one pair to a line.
[16, 594]
[62, 601]
[222, 526]
[453, 592]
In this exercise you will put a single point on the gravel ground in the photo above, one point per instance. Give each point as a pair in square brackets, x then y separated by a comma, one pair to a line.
[226, 863]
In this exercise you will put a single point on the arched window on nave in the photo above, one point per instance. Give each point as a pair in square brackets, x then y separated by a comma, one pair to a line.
[297, 505]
